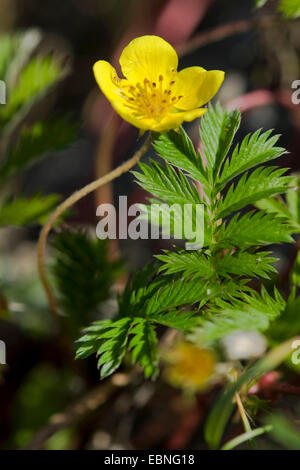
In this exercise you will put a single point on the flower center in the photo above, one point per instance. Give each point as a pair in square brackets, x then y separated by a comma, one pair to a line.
[151, 99]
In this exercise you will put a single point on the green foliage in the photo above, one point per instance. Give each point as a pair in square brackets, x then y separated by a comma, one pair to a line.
[255, 228]
[143, 346]
[83, 274]
[288, 208]
[255, 149]
[34, 80]
[203, 293]
[246, 436]
[252, 312]
[109, 339]
[23, 211]
[284, 431]
[223, 408]
[166, 184]
[28, 77]
[290, 8]
[35, 142]
[263, 182]
[288, 325]
[177, 149]
[190, 264]
[217, 132]
[9, 45]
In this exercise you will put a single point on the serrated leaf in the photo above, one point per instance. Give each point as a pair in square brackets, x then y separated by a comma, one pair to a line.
[82, 266]
[255, 149]
[182, 222]
[110, 359]
[274, 205]
[193, 263]
[262, 183]
[254, 228]
[246, 264]
[143, 346]
[166, 184]
[252, 312]
[218, 128]
[178, 149]
[182, 321]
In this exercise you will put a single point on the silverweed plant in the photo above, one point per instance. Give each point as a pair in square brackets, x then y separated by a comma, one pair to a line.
[228, 288]
[235, 319]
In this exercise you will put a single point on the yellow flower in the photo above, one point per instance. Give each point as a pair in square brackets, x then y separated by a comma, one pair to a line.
[153, 95]
[189, 366]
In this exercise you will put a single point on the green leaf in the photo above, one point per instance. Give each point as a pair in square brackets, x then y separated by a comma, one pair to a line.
[274, 205]
[174, 294]
[263, 182]
[222, 410]
[249, 313]
[189, 263]
[24, 211]
[83, 274]
[110, 339]
[218, 128]
[42, 138]
[246, 436]
[143, 346]
[178, 292]
[247, 264]
[290, 8]
[178, 149]
[182, 221]
[137, 290]
[255, 149]
[113, 344]
[254, 228]
[182, 321]
[288, 324]
[34, 80]
[166, 184]
[284, 432]
[8, 46]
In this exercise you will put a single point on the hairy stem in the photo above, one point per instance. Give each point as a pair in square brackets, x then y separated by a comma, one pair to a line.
[75, 197]
[242, 412]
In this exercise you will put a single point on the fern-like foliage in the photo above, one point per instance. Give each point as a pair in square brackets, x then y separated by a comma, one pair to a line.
[83, 275]
[203, 293]
[254, 312]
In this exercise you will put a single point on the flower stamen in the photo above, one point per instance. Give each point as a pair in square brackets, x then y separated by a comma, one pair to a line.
[148, 99]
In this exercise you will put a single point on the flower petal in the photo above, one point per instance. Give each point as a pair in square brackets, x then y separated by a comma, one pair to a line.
[107, 79]
[148, 57]
[174, 120]
[196, 86]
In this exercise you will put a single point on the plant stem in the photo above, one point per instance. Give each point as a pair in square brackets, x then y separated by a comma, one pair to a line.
[75, 197]
[242, 412]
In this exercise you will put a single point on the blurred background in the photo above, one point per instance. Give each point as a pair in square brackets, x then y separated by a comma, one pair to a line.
[57, 133]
